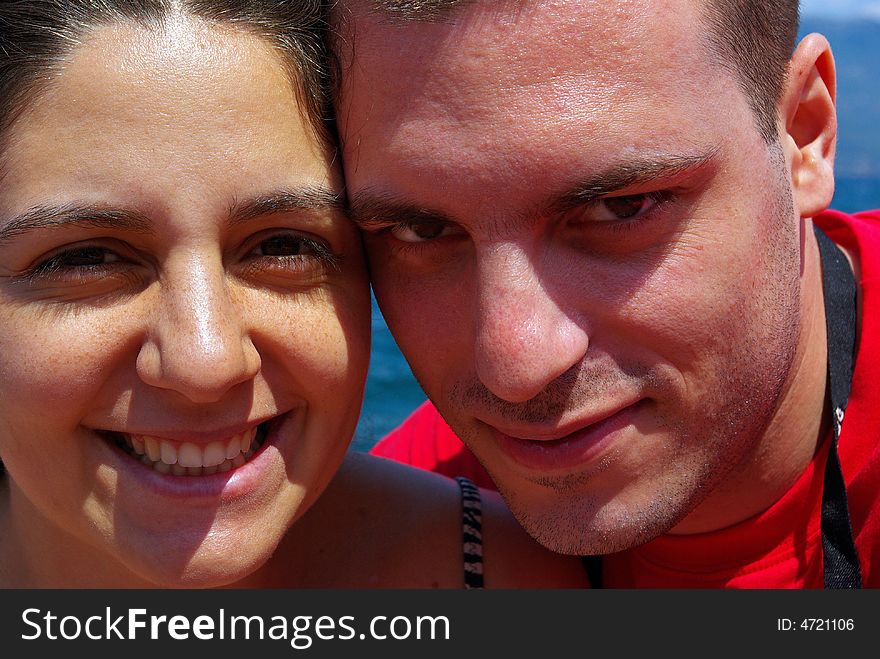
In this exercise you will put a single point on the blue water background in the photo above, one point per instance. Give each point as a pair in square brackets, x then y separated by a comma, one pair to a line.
[392, 391]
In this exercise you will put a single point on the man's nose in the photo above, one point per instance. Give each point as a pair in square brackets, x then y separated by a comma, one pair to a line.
[524, 338]
[198, 343]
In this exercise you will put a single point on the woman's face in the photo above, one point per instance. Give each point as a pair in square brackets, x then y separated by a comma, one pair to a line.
[184, 311]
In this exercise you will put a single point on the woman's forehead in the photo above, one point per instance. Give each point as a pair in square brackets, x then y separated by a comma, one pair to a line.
[153, 73]
[188, 111]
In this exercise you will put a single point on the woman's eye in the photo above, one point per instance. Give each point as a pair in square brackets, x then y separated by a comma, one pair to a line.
[291, 252]
[78, 258]
[423, 231]
[286, 245]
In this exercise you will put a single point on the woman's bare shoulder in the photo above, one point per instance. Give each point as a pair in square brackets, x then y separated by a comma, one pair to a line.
[513, 559]
[381, 524]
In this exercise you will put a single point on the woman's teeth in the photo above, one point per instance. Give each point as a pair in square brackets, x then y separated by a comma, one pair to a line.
[188, 459]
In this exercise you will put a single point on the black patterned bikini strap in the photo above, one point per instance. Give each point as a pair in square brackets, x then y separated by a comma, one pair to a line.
[472, 533]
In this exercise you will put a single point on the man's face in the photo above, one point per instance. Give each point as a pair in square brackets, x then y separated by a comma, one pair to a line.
[584, 248]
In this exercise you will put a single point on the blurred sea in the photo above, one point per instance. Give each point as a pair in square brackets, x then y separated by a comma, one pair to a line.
[392, 392]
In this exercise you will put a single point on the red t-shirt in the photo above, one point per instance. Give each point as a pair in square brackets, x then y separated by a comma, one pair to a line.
[782, 546]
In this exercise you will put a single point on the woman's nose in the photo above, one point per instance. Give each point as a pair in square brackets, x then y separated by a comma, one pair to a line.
[198, 342]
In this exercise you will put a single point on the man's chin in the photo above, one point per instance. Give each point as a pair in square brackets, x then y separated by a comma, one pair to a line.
[581, 525]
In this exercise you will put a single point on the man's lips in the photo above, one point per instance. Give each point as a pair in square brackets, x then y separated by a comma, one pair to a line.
[567, 448]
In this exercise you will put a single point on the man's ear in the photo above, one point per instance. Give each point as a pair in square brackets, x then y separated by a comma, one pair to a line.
[809, 119]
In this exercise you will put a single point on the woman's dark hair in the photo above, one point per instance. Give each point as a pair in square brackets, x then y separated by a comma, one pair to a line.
[37, 35]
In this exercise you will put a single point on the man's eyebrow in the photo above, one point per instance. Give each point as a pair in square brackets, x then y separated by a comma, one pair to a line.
[75, 215]
[311, 198]
[371, 209]
[627, 174]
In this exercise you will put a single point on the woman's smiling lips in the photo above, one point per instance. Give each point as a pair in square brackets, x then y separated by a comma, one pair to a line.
[565, 450]
[191, 459]
[189, 464]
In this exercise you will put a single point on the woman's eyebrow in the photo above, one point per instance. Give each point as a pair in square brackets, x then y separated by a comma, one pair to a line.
[81, 215]
[310, 198]
[103, 217]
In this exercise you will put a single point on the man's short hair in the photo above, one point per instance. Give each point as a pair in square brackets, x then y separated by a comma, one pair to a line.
[755, 38]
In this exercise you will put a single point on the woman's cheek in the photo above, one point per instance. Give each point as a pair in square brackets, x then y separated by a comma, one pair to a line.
[55, 361]
[331, 347]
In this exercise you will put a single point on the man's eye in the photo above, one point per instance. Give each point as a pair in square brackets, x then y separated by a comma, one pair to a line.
[629, 207]
[424, 231]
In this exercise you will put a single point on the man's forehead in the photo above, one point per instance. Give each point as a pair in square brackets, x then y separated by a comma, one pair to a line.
[447, 11]
[508, 45]
[519, 101]
[565, 59]
[496, 22]
[414, 10]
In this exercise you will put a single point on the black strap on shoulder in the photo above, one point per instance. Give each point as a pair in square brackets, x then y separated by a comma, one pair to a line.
[472, 533]
[842, 569]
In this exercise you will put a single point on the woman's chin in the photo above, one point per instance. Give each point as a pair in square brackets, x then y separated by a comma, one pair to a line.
[204, 569]
[187, 555]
